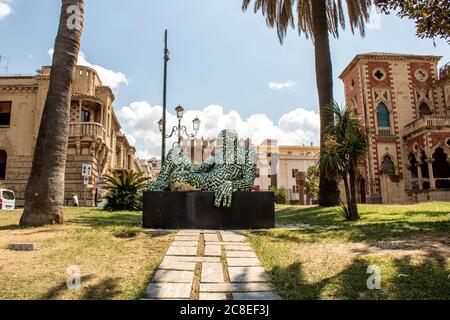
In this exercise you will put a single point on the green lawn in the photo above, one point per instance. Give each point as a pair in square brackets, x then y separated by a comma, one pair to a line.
[117, 259]
[410, 245]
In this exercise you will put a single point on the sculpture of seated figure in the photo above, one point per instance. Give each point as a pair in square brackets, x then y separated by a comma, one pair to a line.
[231, 168]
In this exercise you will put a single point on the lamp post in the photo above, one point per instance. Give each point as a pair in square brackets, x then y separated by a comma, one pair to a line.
[180, 129]
[163, 124]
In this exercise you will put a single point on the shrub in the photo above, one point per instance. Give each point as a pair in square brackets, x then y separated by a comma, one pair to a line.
[124, 190]
[281, 195]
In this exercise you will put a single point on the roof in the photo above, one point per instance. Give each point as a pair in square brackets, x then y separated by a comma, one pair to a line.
[387, 56]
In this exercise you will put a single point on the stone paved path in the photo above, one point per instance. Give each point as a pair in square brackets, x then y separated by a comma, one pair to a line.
[210, 265]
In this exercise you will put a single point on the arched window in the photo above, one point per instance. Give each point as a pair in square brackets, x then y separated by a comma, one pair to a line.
[424, 109]
[383, 118]
[3, 158]
[441, 168]
[388, 166]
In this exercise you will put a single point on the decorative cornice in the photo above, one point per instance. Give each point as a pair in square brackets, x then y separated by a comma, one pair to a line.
[385, 56]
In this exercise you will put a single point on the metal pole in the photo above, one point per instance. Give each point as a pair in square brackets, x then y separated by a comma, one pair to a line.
[166, 59]
[179, 133]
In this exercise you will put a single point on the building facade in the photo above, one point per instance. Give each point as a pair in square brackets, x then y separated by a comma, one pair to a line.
[404, 103]
[95, 135]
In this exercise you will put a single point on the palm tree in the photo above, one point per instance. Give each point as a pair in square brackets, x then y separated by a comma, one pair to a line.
[316, 19]
[44, 195]
[124, 190]
[344, 149]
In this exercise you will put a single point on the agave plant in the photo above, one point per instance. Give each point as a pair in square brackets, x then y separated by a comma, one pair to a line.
[124, 190]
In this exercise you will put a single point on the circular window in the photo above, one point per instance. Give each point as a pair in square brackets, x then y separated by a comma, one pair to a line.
[448, 143]
[379, 74]
[421, 75]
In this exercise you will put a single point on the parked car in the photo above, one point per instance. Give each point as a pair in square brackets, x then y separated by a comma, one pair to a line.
[7, 200]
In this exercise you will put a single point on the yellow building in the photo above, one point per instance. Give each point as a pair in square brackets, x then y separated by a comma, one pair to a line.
[278, 166]
[95, 136]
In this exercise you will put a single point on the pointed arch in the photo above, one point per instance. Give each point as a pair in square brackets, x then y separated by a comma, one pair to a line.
[383, 116]
[387, 165]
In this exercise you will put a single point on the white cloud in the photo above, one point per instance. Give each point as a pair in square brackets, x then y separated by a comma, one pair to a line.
[279, 86]
[108, 77]
[5, 9]
[140, 119]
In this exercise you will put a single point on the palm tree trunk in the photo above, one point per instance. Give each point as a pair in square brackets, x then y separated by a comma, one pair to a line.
[328, 190]
[354, 216]
[44, 195]
[347, 193]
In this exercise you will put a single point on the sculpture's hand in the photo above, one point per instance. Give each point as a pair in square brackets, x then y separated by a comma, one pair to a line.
[224, 194]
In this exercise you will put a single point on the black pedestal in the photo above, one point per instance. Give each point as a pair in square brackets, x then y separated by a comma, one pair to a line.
[196, 210]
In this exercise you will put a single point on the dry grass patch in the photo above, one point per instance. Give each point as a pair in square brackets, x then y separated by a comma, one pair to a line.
[111, 267]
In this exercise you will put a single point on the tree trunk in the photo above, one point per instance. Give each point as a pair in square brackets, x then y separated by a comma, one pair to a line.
[347, 194]
[328, 189]
[44, 195]
[354, 216]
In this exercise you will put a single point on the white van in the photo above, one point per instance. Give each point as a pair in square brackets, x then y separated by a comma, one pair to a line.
[7, 200]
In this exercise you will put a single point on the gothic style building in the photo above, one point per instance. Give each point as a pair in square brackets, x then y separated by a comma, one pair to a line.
[404, 103]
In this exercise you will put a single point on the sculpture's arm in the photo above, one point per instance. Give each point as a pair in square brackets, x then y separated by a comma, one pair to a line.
[248, 171]
[205, 166]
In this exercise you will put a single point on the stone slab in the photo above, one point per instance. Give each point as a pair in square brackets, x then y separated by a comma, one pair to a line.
[247, 274]
[177, 265]
[182, 251]
[243, 262]
[211, 237]
[24, 246]
[213, 250]
[241, 254]
[212, 296]
[238, 248]
[169, 290]
[235, 287]
[212, 273]
[230, 237]
[255, 296]
[186, 238]
[192, 259]
[184, 244]
[173, 276]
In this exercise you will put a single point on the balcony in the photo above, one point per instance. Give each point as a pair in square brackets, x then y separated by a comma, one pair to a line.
[426, 123]
[384, 132]
[87, 129]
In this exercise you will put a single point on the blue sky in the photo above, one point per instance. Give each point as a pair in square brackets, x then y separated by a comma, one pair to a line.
[222, 59]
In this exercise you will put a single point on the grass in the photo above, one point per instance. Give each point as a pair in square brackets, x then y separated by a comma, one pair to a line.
[410, 245]
[116, 259]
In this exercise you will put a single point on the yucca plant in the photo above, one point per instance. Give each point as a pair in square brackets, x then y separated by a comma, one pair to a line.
[124, 190]
[346, 146]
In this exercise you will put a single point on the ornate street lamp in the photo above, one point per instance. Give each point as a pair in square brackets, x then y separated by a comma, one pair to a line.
[180, 130]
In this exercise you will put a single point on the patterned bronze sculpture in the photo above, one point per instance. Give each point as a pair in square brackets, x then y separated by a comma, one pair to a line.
[231, 168]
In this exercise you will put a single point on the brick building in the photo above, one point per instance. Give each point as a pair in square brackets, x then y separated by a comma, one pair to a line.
[404, 103]
[95, 135]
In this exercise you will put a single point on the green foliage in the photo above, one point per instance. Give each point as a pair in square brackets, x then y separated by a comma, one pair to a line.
[344, 148]
[125, 231]
[312, 181]
[281, 195]
[124, 190]
[431, 16]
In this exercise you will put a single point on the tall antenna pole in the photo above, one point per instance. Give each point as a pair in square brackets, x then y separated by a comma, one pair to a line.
[166, 60]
